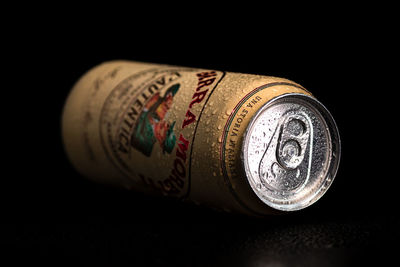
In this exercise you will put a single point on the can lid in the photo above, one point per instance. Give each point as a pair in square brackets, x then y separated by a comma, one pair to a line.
[291, 152]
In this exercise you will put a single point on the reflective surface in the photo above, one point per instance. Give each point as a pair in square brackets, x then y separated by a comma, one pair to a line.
[291, 152]
[191, 236]
[346, 69]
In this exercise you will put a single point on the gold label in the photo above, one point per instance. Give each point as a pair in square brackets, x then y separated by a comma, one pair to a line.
[149, 119]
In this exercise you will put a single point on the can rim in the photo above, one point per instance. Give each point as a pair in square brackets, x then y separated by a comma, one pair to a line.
[334, 154]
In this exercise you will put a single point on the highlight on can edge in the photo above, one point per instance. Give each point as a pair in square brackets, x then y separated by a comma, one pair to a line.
[236, 142]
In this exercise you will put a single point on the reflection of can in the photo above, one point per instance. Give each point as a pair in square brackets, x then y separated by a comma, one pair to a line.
[239, 142]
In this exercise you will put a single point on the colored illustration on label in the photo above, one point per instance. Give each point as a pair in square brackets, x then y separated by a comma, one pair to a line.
[152, 125]
[149, 119]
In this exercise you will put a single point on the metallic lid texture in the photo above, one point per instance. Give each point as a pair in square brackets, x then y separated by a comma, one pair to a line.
[291, 151]
[236, 142]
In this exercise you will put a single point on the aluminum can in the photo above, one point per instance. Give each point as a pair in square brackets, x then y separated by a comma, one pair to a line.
[237, 142]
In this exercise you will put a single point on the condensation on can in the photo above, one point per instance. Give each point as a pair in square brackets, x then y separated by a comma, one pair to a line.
[199, 135]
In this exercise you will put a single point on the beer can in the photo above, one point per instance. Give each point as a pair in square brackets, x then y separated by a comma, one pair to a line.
[237, 142]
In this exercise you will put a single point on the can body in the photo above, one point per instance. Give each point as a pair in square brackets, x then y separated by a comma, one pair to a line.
[169, 130]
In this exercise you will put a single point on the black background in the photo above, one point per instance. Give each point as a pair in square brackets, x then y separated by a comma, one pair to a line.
[54, 215]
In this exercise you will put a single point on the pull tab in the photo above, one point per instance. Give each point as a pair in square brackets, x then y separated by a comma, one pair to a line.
[283, 166]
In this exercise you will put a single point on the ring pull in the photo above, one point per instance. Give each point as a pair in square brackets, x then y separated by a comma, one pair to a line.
[283, 166]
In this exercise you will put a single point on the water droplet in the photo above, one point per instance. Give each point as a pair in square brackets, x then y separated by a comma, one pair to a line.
[219, 127]
[228, 112]
[220, 139]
